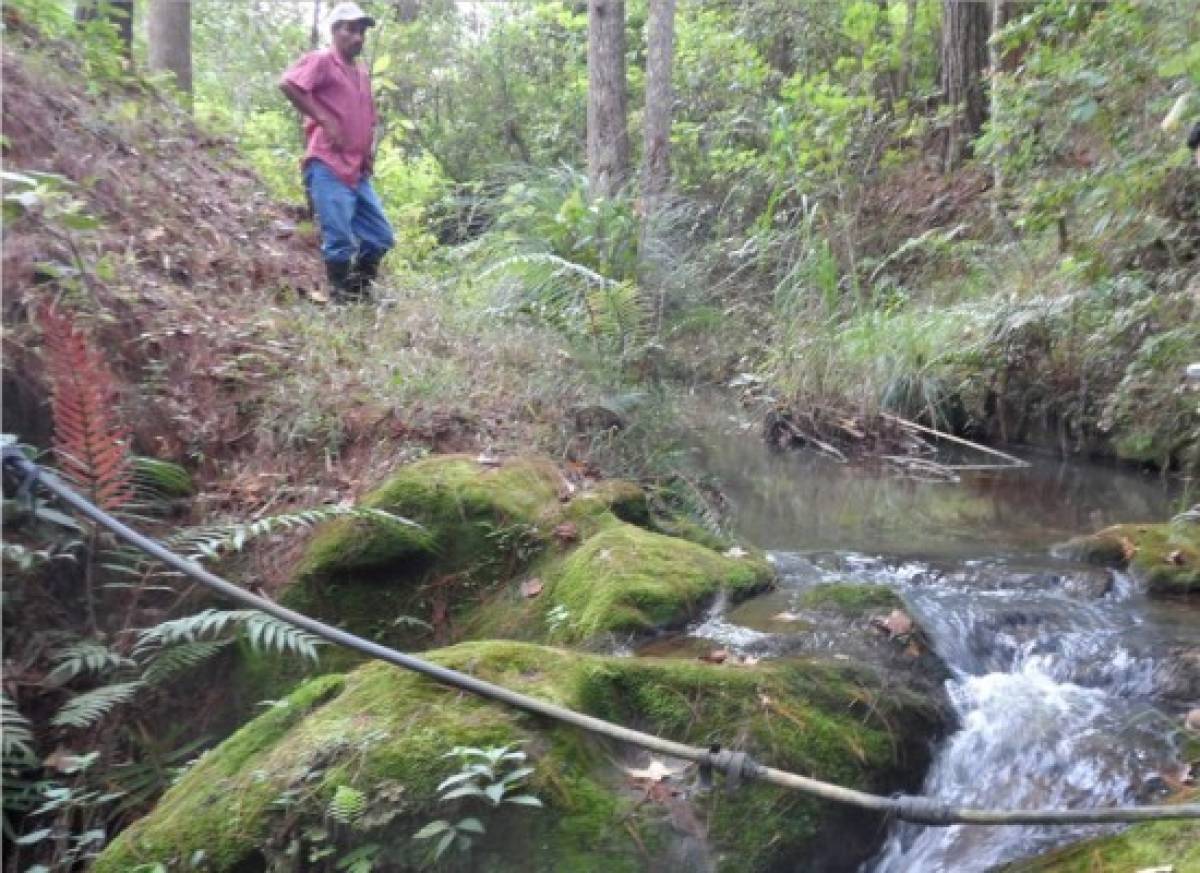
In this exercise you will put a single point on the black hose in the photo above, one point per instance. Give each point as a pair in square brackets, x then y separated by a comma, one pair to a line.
[734, 765]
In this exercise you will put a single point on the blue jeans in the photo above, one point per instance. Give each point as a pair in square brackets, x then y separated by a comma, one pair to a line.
[352, 219]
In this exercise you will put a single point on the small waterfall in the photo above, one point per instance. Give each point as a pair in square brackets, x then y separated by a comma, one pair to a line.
[1053, 696]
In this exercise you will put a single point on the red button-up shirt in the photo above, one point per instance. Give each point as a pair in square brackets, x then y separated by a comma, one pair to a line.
[344, 90]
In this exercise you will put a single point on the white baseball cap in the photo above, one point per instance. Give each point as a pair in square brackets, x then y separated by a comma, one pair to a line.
[348, 12]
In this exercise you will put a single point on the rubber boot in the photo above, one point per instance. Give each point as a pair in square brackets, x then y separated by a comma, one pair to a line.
[366, 271]
[338, 273]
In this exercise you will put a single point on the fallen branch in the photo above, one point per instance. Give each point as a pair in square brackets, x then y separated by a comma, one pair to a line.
[1013, 461]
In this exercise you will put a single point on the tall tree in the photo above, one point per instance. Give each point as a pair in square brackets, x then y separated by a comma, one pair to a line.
[119, 12]
[965, 31]
[656, 153]
[170, 39]
[607, 130]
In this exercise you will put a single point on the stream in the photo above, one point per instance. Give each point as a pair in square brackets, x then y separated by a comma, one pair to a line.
[1063, 683]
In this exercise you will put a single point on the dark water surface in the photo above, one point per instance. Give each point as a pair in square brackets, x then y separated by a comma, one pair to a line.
[1064, 676]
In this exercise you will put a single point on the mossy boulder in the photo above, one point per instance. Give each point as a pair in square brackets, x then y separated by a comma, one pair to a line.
[622, 580]
[1164, 557]
[459, 503]
[485, 529]
[378, 737]
[850, 598]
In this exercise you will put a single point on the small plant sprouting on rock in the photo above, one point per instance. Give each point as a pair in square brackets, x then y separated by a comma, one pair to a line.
[495, 775]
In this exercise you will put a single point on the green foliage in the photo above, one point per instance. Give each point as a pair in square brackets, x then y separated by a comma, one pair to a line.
[493, 775]
[16, 733]
[84, 710]
[1076, 124]
[264, 632]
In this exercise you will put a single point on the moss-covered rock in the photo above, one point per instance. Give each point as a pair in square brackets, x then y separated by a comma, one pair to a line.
[379, 735]
[850, 598]
[1164, 557]
[459, 503]
[1165, 845]
[621, 580]
[484, 530]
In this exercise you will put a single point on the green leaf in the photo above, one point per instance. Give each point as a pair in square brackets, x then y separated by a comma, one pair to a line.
[470, 790]
[454, 780]
[33, 837]
[432, 829]
[444, 844]
[473, 825]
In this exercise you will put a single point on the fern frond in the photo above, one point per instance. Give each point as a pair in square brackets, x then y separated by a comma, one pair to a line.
[210, 542]
[348, 805]
[171, 661]
[543, 259]
[16, 734]
[85, 656]
[208, 623]
[267, 633]
[84, 710]
[264, 632]
[89, 440]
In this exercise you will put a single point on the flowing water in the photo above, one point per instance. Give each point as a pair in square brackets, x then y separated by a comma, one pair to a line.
[1065, 684]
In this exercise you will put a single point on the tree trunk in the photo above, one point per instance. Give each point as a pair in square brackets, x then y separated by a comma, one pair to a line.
[170, 38]
[965, 30]
[656, 158]
[996, 64]
[607, 131]
[119, 12]
[906, 48]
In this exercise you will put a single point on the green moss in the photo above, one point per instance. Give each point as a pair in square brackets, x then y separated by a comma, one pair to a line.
[628, 579]
[460, 503]
[626, 500]
[1164, 557]
[1173, 844]
[384, 732]
[218, 807]
[850, 598]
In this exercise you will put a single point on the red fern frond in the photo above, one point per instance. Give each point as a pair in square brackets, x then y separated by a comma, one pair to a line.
[90, 440]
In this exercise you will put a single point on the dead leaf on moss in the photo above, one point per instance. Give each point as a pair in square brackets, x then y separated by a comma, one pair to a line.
[786, 615]
[566, 532]
[531, 587]
[655, 771]
[1128, 549]
[1177, 558]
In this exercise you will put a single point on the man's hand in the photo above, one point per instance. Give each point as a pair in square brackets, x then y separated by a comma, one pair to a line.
[333, 132]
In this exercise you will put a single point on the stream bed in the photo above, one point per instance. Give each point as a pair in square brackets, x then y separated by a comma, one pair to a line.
[1066, 681]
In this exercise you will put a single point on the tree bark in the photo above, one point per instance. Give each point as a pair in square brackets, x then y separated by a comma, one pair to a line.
[119, 12]
[906, 48]
[965, 30]
[607, 130]
[660, 98]
[170, 39]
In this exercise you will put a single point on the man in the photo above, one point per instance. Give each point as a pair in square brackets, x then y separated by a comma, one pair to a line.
[333, 92]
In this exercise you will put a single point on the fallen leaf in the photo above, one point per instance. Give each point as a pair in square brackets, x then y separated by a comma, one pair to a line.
[736, 552]
[785, 616]
[716, 656]
[566, 532]
[1128, 549]
[531, 587]
[1176, 557]
[897, 624]
[1192, 720]
[655, 771]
